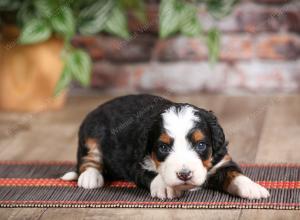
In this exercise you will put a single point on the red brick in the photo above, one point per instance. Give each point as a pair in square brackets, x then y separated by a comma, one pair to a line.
[259, 54]
[107, 76]
[84, 41]
[180, 77]
[293, 20]
[279, 47]
[272, 1]
[251, 18]
[136, 49]
[190, 77]
[226, 24]
[262, 77]
[180, 48]
[236, 47]
[233, 47]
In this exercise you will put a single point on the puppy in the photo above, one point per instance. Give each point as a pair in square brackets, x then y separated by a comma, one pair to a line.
[163, 146]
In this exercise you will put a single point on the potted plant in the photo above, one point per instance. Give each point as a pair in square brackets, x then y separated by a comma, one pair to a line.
[37, 58]
[38, 61]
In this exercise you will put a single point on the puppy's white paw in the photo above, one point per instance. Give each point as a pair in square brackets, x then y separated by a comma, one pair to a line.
[159, 189]
[70, 176]
[244, 187]
[91, 178]
[172, 193]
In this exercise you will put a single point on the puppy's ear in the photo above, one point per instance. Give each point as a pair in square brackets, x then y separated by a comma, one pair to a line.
[219, 143]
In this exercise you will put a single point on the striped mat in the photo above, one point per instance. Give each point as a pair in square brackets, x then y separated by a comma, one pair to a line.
[37, 184]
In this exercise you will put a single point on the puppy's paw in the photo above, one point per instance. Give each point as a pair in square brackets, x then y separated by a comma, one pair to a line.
[244, 187]
[69, 176]
[160, 190]
[91, 178]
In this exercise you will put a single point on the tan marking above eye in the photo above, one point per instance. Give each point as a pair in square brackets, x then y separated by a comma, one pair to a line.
[197, 136]
[165, 138]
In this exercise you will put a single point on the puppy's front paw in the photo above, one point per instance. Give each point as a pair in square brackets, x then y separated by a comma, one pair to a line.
[159, 189]
[91, 178]
[244, 187]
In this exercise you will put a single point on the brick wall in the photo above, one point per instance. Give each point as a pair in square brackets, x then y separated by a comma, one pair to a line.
[260, 53]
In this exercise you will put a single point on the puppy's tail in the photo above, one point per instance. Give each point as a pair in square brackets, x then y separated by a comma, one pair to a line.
[70, 176]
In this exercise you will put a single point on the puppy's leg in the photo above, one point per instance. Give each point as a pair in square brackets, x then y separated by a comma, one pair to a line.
[154, 182]
[159, 189]
[227, 176]
[90, 165]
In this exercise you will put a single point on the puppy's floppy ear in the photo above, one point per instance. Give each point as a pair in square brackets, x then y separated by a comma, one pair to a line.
[219, 143]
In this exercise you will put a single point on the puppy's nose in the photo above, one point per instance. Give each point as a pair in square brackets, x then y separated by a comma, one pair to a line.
[184, 174]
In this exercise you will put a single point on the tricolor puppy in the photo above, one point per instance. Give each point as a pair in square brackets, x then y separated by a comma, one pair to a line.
[160, 145]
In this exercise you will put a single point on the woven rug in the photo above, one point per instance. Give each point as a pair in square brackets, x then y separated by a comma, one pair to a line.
[37, 184]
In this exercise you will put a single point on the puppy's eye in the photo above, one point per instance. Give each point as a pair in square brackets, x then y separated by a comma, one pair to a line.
[164, 148]
[200, 147]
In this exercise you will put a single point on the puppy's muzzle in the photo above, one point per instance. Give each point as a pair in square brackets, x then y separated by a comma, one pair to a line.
[184, 174]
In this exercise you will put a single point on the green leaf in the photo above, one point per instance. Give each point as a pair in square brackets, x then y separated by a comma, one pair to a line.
[117, 23]
[8, 5]
[80, 65]
[213, 44]
[26, 13]
[189, 24]
[63, 22]
[92, 22]
[90, 8]
[34, 31]
[169, 18]
[220, 8]
[64, 80]
[44, 8]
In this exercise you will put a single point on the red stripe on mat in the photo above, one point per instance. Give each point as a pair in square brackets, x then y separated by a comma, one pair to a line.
[37, 162]
[62, 183]
[71, 163]
[54, 182]
[148, 203]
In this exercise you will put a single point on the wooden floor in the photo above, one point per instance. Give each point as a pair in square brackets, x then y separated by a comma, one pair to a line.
[260, 129]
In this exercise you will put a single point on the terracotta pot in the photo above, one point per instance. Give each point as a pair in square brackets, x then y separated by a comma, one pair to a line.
[29, 73]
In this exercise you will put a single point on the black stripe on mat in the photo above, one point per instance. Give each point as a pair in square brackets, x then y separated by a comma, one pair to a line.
[136, 197]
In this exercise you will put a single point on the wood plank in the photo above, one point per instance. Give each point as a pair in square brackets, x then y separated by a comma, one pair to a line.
[270, 214]
[139, 214]
[65, 213]
[21, 213]
[208, 102]
[6, 213]
[280, 136]
[51, 132]
[241, 120]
